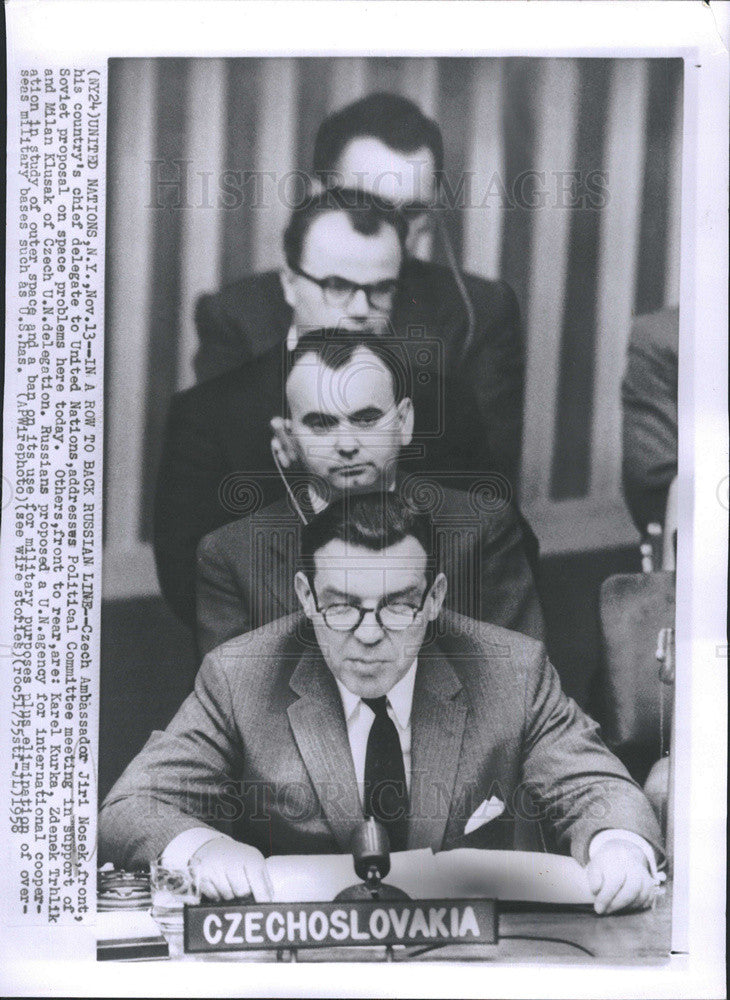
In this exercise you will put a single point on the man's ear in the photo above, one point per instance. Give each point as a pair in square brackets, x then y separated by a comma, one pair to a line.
[287, 277]
[304, 593]
[436, 597]
[406, 417]
[419, 240]
[295, 450]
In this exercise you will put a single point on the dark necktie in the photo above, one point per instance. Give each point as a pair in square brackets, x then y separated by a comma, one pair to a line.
[386, 793]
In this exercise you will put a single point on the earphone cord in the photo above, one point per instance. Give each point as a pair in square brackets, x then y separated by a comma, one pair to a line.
[458, 278]
[287, 487]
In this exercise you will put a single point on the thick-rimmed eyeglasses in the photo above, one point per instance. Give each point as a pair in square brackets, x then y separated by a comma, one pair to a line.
[339, 292]
[390, 617]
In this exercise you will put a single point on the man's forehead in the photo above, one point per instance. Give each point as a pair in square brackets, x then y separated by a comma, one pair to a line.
[354, 569]
[333, 236]
[362, 380]
[368, 163]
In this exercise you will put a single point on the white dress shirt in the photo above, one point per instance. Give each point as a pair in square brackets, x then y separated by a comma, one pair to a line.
[359, 718]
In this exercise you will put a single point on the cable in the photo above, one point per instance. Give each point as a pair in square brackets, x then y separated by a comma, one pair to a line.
[511, 937]
[465, 297]
[429, 947]
[553, 940]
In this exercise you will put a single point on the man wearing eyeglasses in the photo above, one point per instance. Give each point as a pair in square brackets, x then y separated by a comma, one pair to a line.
[385, 145]
[348, 287]
[298, 730]
[350, 423]
[344, 253]
[217, 445]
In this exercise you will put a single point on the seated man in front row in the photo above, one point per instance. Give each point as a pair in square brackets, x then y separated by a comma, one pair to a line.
[293, 734]
[351, 423]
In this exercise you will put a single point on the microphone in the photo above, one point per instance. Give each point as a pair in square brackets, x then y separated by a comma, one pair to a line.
[370, 848]
[370, 851]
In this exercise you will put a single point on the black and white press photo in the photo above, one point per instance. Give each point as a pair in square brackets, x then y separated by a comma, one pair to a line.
[362, 488]
[391, 385]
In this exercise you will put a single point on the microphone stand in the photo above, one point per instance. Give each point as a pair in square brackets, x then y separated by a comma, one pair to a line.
[371, 857]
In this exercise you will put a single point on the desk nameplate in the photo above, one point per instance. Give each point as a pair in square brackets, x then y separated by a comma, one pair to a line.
[261, 926]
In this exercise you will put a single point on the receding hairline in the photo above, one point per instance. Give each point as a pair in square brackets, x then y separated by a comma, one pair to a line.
[404, 154]
[337, 369]
[383, 225]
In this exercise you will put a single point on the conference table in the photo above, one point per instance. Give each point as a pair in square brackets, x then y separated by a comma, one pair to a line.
[527, 933]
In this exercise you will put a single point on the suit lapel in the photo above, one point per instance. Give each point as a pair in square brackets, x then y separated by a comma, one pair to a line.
[438, 717]
[319, 728]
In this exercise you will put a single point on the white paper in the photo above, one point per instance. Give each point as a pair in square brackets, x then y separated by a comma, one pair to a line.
[463, 873]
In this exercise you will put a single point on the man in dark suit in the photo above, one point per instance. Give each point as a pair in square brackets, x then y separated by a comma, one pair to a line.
[649, 400]
[349, 421]
[344, 255]
[385, 144]
[292, 735]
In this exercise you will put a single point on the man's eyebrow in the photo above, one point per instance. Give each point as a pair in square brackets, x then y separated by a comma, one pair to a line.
[337, 277]
[404, 592]
[385, 598]
[315, 416]
[367, 411]
[334, 592]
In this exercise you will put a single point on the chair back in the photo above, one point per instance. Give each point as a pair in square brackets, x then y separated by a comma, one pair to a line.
[669, 561]
[635, 609]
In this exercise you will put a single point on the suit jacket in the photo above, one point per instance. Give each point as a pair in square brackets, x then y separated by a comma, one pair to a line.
[259, 750]
[649, 398]
[245, 570]
[216, 460]
[250, 316]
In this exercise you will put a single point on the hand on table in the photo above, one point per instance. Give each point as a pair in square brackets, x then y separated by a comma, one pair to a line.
[619, 878]
[225, 869]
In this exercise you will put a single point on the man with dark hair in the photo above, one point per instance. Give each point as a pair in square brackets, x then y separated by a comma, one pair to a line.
[384, 144]
[394, 120]
[296, 731]
[345, 257]
[324, 299]
[350, 422]
[216, 454]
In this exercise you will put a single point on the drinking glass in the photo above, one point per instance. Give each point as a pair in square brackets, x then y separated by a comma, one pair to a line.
[171, 889]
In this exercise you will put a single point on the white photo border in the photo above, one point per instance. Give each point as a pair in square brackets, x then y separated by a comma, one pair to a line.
[612, 29]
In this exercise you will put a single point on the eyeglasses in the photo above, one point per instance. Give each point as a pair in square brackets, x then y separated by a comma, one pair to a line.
[339, 292]
[390, 617]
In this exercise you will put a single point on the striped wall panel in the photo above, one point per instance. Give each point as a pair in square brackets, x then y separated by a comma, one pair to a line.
[198, 153]
[618, 247]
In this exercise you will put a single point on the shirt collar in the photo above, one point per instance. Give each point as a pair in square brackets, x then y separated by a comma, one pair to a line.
[400, 697]
[318, 504]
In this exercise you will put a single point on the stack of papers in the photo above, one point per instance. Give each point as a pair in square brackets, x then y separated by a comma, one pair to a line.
[519, 876]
